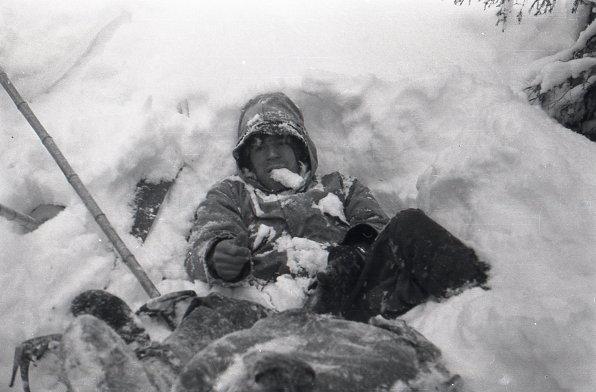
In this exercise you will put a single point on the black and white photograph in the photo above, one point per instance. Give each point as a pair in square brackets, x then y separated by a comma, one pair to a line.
[298, 196]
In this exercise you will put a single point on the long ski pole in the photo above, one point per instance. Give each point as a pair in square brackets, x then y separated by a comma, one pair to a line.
[74, 180]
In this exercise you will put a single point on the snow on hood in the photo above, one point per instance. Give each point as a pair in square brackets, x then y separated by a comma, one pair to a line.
[273, 114]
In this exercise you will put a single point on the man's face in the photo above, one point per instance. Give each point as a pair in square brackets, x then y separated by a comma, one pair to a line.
[270, 152]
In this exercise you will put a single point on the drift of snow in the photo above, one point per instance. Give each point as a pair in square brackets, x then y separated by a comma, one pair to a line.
[420, 101]
[287, 178]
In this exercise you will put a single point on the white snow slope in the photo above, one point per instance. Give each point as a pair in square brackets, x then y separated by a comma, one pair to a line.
[419, 99]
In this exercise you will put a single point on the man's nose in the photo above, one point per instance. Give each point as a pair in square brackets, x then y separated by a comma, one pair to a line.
[272, 152]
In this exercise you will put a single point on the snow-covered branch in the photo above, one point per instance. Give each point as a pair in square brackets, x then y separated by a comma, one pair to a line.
[505, 8]
[563, 83]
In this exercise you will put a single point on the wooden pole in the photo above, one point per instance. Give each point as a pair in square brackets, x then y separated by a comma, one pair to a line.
[29, 222]
[101, 219]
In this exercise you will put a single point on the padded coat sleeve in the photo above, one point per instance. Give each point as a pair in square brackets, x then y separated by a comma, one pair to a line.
[364, 214]
[217, 218]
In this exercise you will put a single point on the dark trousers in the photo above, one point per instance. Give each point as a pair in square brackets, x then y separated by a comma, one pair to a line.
[412, 259]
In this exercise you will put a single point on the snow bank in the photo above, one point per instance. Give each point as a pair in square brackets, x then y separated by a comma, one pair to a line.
[435, 124]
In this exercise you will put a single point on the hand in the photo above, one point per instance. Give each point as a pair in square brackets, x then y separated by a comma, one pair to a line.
[230, 256]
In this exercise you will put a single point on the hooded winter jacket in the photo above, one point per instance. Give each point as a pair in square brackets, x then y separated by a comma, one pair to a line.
[280, 227]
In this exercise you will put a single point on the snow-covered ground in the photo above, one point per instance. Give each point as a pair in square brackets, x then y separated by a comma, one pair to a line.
[419, 99]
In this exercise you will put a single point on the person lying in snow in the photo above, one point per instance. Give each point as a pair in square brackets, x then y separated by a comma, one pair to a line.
[247, 226]
[244, 233]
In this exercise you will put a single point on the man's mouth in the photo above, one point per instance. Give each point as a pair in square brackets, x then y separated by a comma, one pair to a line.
[275, 166]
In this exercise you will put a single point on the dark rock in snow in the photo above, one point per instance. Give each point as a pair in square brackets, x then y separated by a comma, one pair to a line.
[209, 318]
[299, 351]
[45, 212]
[148, 198]
[230, 345]
[112, 310]
[96, 359]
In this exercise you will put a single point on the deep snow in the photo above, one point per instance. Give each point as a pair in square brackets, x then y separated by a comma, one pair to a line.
[419, 100]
